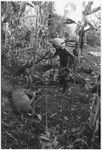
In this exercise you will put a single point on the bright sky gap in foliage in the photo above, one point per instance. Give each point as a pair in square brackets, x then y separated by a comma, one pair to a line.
[61, 5]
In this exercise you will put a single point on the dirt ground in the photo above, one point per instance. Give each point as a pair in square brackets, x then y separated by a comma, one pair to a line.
[64, 110]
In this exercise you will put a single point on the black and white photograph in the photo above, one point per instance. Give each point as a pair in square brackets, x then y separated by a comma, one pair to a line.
[51, 74]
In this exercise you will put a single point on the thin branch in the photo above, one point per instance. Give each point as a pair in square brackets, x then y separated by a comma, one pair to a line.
[12, 136]
[94, 10]
[43, 57]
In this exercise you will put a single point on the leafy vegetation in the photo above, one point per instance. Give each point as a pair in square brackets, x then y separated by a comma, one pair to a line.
[58, 74]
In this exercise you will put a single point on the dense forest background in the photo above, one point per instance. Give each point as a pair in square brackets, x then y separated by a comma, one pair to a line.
[65, 98]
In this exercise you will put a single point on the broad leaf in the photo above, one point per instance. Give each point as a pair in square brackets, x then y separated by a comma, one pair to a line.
[7, 19]
[30, 4]
[15, 7]
[69, 21]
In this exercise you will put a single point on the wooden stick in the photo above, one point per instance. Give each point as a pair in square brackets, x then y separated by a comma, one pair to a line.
[43, 57]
